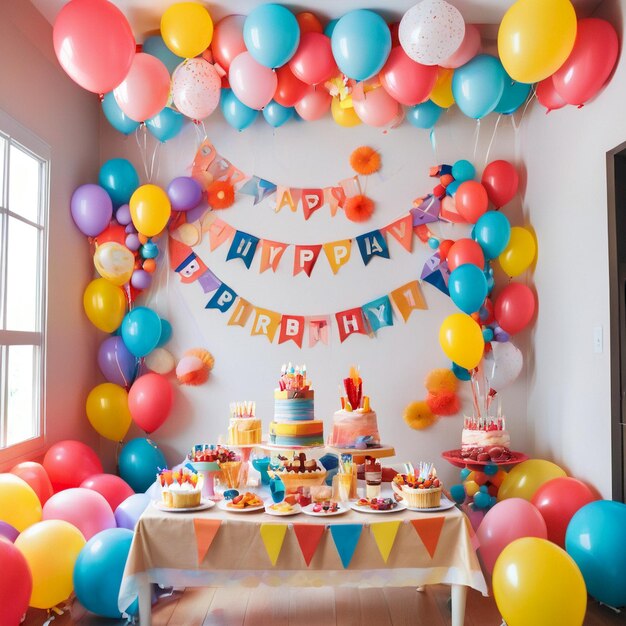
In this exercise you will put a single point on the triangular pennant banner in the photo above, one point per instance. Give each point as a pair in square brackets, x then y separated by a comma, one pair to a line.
[206, 529]
[350, 322]
[304, 259]
[243, 247]
[209, 281]
[426, 210]
[291, 327]
[284, 197]
[273, 536]
[346, 538]
[338, 253]
[271, 254]
[219, 233]
[437, 273]
[258, 188]
[334, 197]
[312, 200]
[241, 314]
[429, 531]
[385, 536]
[265, 323]
[222, 299]
[378, 313]
[318, 329]
[309, 537]
[372, 244]
[402, 230]
[408, 298]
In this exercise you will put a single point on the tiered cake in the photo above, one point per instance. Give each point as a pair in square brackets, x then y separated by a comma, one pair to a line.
[244, 428]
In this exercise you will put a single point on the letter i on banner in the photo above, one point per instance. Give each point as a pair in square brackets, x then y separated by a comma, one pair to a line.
[305, 258]
[243, 247]
[265, 323]
[271, 254]
[338, 253]
[408, 298]
[318, 329]
[291, 327]
[350, 322]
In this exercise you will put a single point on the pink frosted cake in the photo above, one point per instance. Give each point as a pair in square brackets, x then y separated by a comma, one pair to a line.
[485, 439]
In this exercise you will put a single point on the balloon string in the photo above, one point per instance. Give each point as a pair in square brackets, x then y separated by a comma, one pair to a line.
[433, 143]
[476, 136]
[155, 152]
[531, 97]
[493, 136]
[142, 152]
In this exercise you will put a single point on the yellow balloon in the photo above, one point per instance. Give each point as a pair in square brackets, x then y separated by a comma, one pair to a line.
[471, 488]
[114, 262]
[19, 504]
[105, 304]
[150, 209]
[441, 94]
[50, 549]
[536, 582]
[524, 479]
[344, 117]
[107, 411]
[462, 340]
[519, 253]
[187, 29]
[536, 37]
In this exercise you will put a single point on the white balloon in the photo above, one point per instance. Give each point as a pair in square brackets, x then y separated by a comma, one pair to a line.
[160, 361]
[503, 364]
[431, 31]
[196, 88]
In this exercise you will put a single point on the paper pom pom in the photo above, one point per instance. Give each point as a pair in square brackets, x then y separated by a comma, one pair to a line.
[220, 195]
[418, 416]
[191, 371]
[365, 161]
[160, 361]
[443, 403]
[359, 208]
[204, 355]
[441, 380]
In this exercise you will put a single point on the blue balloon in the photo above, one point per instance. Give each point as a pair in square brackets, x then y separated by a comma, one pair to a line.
[596, 540]
[492, 231]
[129, 511]
[424, 115]
[120, 179]
[487, 335]
[166, 333]
[478, 85]
[452, 187]
[139, 462]
[513, 96]
[460, 372]
[271, 33]
[330, 27]
[433, 243]
[482, 500]
[116, 117]
[149, 250]
[141, 331]
[166, 124]
[156, 47]
[458, 493]
[361, 43]
[235, 112]
[491, 469]
[465, 472]
[463, 170]
[468, 287]
[276, 114]
[98, 571]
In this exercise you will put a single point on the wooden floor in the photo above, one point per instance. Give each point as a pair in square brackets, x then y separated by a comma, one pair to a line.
[264, 606]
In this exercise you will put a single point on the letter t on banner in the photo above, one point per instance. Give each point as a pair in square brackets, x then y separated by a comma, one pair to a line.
[291, 327]
[408, 298]
[318, 329]
[350, 322]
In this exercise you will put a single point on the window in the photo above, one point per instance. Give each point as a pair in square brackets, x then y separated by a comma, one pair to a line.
[24, 164]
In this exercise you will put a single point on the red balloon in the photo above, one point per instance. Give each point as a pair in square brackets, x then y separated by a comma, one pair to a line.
[227, 42]
[471, 200]
[405, 80]
[313, 62]
[500, 179]
[314, 105]
[36, 476]
[309, 23]
[590, 63]
[557, 501]
[113, 232]
[289, 90]
[444, 248]
[465, 251]
[114, 489]
[548, 95]
[150, 401]
[70, 462]
[17, 584]
[515, 307]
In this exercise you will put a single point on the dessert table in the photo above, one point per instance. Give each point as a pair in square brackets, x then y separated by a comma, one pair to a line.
[218, 548]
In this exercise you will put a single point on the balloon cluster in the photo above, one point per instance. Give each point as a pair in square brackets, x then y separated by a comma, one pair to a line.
[358, 67]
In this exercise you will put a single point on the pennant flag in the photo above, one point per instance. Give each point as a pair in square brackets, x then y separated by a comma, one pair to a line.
[346, 538]
[350, 186]
[243, 247]
[350, 322]
[408, 298]
[334, 197]
[209, 281]
[378, 313]
[318, 329]
[258, 188]
[291, 327]
[429, 531]
[402, 230]
[273, 536]
[185, 262]
[305, 258]
[338, 253]
[385, 536]
[222, 299]
[242, 312]
[201, 162]
[271, 254]
[219, 233]
[312, 200]
[206, 529]
[308, 536]
[436, 273]
[284, 197]
[372, 244]
[265, 323]
[426, 210]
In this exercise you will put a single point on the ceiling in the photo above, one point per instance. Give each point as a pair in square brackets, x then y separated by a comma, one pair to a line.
[144, 15]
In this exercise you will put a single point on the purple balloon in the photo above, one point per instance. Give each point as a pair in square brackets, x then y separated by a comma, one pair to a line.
[184, 193]
[116, 362]
[132, 242]
[130, 510]
[91, 209]
[122, 215]
[8, 532]
[141, 279]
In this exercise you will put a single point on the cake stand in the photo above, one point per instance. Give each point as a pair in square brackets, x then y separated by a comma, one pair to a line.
[454, 457]
[209, 470]
[358, 454]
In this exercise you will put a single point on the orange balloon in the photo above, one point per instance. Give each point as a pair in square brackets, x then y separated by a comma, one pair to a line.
[113, 232]
[149, 265]
[309, 23]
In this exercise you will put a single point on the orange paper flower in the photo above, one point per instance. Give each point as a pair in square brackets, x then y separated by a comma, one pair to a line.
[418, 416]
[220, 194]
[443, 403]
[441, 379]
[365, 161]
[359, 208]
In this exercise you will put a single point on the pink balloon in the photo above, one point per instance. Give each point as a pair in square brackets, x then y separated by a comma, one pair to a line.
[314, 104]
[17, 584]
[150, 401]
[313, 62]
[94, 44]
[252, 83]
[469, 48]
[376, 107]
[514, 308]
[145, 90]
[196, 88]
[507, 521]
[548, 96]
[70, 462]
[83, 508]
[590, 63]
[37, 477]
[112, 488]
[228, 40]
[406, 80]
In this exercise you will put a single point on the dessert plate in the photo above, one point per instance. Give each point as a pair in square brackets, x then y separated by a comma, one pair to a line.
[223, 505]
[341, 509]
[295, 509]
[204, 504]
[367, 509]
[444, 506]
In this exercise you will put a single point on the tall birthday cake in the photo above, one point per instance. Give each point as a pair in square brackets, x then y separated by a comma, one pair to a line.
[294, 416]
[244, 427]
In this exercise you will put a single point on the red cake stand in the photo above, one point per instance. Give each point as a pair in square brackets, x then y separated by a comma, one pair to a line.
[454, 457]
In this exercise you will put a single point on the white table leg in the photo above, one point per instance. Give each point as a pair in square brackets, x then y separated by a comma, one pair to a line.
[459, 595]
[145, 600]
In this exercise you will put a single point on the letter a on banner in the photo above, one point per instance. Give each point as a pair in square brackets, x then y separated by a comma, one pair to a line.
[350, 322]
[284, 197]
[243, 247]
[408, 298]
[318, 329]
[291, 327]
[378, 313]
[372, 244]
[338, 253]
[265, 323]
[305, 258]
[271, 254]
[222, 299]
